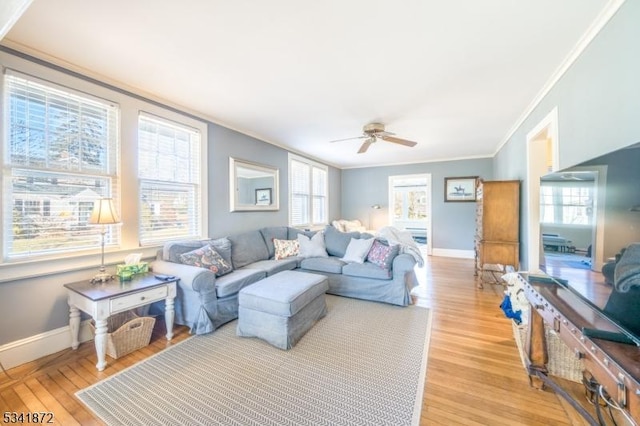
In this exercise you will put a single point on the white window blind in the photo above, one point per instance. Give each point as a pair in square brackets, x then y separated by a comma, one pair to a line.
[566, 203]
[308, 201]
[170, 180]
[61, 155]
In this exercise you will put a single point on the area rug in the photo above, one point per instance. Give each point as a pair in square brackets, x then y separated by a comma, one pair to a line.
[364, 363]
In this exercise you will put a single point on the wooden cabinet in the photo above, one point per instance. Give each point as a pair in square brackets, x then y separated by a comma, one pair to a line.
[497, 240]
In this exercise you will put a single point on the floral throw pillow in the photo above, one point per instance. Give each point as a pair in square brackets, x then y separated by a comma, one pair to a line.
[207, 257]
[382, 254]
[285, 248]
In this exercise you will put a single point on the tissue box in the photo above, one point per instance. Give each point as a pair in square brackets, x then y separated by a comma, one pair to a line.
[137, 268]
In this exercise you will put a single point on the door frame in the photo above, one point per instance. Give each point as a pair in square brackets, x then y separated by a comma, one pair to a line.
[429, 209]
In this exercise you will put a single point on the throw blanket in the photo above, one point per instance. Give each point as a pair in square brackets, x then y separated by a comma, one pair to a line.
[627, 273]
[404, 240]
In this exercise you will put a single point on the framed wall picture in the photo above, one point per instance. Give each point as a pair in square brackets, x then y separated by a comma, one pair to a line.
[263, 197]
[460, 188]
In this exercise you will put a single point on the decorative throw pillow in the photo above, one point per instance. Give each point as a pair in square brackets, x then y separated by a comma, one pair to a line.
[382, 254]
[207, 257]
[312, 247]
[285, 248]
[357, 250]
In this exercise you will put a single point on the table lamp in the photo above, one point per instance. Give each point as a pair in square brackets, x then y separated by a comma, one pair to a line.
[103, 214]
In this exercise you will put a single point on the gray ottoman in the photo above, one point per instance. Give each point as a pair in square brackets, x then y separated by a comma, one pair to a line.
[281, 308]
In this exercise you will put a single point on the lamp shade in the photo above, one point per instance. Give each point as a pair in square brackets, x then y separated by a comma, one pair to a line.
[104, 212]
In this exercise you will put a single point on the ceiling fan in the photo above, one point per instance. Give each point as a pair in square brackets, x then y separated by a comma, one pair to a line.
[374, 131]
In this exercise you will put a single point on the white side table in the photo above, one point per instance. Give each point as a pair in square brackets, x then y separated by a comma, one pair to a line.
[101, 300]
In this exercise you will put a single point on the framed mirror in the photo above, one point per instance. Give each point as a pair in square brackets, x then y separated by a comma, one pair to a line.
[253, 186]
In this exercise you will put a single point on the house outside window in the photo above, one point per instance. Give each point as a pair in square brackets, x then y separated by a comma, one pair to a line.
[61, 154]
[308, 192]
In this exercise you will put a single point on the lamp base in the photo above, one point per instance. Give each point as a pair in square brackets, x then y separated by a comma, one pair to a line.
[102, 277]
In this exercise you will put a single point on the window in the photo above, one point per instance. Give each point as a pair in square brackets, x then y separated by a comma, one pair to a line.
[61, 154]
[308, 200]
[169, 176]
[566, 203]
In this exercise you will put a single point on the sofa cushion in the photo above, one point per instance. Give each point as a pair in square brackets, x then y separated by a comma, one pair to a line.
[283, 294]
[330, 264]
[312, 247]
[357, 250]
[222, 246]
[271, 232]
[382, 254]
[285, 248]
[232, 283]
[366, 270]
[292, 233]
[247, 248]
[336, 241]
[207, 257]
[272, 266]
[171, 251]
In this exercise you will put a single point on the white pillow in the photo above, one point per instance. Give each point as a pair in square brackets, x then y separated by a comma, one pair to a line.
[312, 247]
[357, 250]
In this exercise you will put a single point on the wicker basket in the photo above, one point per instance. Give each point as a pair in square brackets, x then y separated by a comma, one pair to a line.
[562, 361]
[127, 332]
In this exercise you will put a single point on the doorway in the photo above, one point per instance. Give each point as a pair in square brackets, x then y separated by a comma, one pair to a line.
[542, 159]
[410, 206]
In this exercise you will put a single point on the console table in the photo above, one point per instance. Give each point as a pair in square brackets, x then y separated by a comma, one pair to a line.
[615, 366]
[101, 300]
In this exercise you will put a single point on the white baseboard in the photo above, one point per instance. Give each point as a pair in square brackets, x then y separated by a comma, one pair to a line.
[462, 254]
[34, 347]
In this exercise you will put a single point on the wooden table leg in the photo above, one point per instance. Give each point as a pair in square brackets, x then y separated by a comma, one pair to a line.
[536, 347]
[101, 343]
[74, 326]
[169, 313]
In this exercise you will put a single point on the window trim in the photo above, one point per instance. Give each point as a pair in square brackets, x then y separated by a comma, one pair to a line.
[293, 157]
[130, 104]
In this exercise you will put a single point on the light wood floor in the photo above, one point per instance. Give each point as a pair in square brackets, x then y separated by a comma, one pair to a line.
[474, 373]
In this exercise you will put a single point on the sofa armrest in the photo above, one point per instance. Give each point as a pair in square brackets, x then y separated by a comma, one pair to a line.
[402, 263]
[191, 277]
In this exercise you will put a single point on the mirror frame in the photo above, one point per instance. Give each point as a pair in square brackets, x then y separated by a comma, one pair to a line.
[234, 202]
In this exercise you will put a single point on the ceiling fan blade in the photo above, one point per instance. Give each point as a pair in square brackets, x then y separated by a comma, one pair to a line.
[399, 141]
[348, 139]
[365, 146]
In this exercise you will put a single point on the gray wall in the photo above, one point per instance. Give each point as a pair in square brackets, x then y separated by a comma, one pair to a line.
[225, 143]
[453, 223]
[598, 100]
[621, 226]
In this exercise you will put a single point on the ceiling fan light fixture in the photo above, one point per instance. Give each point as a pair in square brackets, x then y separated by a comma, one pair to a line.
[374, 131]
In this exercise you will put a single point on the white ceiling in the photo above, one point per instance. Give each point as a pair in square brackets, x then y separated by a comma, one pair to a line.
[455, 76]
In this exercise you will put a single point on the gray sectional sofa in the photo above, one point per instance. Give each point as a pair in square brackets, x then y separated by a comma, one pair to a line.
[206, 301]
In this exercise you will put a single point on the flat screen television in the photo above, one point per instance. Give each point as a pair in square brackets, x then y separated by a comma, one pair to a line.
[589, 213]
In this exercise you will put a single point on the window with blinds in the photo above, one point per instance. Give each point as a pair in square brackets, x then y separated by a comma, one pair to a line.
[61, 154]
[566, 203]
[308, 200]
[169, 174]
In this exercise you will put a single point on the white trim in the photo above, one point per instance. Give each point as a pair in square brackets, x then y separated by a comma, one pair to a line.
[35, 347]
[460, 254]
[429, 220]
[103, 79]
[545, 130]
[10, 12]
[600, 192]
[130, 105]
[596, 26]
[311, 163]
